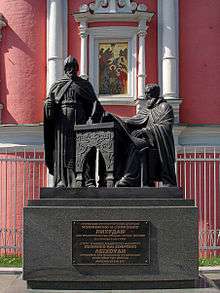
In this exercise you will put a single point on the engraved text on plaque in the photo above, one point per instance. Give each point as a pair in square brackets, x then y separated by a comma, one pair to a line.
[111, 243]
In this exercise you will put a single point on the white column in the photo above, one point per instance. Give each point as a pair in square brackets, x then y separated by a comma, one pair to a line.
[169, 47]
[83, 61]
[168, 22]
[142, 29]
[56, 39]
[141, 58]
[56, 44]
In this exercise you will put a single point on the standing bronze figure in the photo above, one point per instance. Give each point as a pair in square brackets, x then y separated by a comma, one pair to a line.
[71, 101]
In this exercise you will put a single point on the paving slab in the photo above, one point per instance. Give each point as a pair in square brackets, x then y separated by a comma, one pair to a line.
[6, 281]
[214, 278]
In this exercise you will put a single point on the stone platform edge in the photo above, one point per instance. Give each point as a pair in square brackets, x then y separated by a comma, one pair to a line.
[204, 270]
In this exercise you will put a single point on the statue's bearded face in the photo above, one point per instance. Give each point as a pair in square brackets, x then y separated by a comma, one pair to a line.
[71, 72]
[152, 92]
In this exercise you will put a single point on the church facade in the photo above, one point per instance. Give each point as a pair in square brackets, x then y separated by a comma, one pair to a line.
[173, 43]
[121, 45]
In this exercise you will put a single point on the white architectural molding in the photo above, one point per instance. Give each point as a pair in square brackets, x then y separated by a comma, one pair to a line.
[83, 49]
[112, 6]
[175, 103]
[3, 23]
[200, 135]
[100, 17]
[168, 56]
[169, 66]
[142, 29]
[56, 39]
[115, 10]
[197, 135]
[20, 136]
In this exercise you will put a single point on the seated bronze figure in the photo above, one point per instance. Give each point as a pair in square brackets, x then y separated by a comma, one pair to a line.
[149, 131]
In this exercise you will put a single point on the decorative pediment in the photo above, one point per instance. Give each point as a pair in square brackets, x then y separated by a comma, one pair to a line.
[113, 6]
[113, 10]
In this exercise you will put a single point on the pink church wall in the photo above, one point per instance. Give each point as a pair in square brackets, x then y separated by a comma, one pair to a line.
[151, 46]
[200, 61]
[22, 59]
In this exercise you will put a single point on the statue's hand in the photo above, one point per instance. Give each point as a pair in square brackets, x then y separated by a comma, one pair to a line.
[107, 117]
[49, 109]
[137, 132]
[89, 121]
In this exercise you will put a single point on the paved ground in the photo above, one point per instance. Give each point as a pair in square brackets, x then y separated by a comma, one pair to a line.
[13, 283]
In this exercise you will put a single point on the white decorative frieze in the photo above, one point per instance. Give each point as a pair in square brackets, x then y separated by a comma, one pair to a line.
[113, 6]
[3, 23]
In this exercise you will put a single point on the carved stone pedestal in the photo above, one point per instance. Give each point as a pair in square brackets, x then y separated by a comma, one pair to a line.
[98, 136]
[110, 238]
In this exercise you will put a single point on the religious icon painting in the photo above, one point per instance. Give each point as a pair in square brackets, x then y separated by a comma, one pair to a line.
[113, 68]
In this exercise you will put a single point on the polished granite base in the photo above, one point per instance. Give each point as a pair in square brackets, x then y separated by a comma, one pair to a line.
[48, 238]
[15, 284]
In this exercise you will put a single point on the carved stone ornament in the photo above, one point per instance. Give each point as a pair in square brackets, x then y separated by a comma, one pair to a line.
[113, 6]
[3, 23]
[102, 140]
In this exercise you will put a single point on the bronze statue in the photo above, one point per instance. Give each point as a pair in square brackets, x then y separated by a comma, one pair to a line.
[71, 101]
[151, 128]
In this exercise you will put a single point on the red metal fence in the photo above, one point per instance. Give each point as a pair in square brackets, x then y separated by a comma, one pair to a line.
[23, 172]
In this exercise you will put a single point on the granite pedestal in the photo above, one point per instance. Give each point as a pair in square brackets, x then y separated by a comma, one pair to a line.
[53, 253]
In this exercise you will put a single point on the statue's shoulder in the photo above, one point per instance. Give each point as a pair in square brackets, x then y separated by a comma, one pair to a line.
[58, 83]
[79, 81]
[165, 106]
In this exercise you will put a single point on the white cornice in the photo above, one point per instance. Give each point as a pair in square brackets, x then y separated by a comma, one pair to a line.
[119, 32]
[20, 136]
[128, 101]
[114, 10]
[113, 6]
[137, 16]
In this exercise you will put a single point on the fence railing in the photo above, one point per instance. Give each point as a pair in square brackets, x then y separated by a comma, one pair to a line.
[198, 172]
[23, 172]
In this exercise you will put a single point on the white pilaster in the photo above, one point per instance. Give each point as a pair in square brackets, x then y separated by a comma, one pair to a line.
[56, 39]
[141, 58]
[83, 61]
[168, 52]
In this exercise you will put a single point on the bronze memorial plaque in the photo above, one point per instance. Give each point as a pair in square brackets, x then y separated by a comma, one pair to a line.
[111, 243]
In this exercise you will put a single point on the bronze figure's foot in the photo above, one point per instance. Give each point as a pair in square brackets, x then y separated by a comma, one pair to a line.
[128, 182]
[60, 184]
[168, 185]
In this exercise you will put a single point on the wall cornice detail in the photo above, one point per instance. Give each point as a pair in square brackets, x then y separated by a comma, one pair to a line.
[113, 6]
[114, 10]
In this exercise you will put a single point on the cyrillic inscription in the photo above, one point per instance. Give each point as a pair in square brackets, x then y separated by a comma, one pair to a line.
[111, 243]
